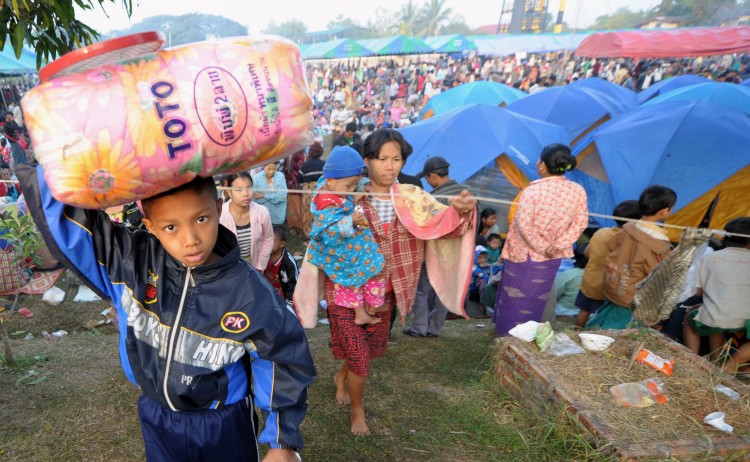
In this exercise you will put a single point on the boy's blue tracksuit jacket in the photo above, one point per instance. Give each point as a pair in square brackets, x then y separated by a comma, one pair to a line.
[192, 339]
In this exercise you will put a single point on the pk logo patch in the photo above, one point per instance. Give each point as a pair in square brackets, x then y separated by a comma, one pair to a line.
[235, 322]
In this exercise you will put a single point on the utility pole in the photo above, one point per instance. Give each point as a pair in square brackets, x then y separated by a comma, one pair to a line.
[500, 21]
[559, 23]
[168, 26]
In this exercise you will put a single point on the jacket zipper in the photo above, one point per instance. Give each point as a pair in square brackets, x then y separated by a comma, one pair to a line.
[173, 336]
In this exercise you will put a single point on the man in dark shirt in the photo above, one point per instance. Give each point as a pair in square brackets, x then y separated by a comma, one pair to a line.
[349, 137]
[428, 312]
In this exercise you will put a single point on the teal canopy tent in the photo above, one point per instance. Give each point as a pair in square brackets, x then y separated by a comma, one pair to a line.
[340, 48]
[397, 45]
[9, 64]
[450, 44]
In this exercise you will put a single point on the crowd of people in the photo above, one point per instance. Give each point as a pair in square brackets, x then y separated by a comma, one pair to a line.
[378, 248]
[393, 92]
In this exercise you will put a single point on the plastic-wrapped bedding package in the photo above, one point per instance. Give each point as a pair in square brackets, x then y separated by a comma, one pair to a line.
[108, 131]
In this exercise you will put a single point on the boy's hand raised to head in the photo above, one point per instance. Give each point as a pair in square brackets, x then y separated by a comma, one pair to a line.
[281, 455]
[464, 202]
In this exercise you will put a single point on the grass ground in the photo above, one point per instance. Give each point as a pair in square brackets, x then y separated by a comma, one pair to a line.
[427, 399]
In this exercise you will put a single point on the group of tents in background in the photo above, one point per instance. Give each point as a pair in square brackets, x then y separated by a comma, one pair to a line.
[636, 43]
[686, 132]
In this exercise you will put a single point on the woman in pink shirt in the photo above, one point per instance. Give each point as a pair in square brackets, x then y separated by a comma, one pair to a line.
[250, 222]
[552, 213]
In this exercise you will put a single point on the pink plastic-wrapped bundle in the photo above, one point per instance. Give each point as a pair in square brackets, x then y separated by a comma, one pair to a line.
[107, 133]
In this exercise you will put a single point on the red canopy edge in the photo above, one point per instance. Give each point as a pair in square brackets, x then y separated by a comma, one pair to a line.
[666, 43]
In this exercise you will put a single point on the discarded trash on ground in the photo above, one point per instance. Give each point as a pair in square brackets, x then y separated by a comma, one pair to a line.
[86, 295]
[108, 316]
[649, 358]
[639, 394]
[525, 331]
[53, 296]
[726, 391]
[716, 420]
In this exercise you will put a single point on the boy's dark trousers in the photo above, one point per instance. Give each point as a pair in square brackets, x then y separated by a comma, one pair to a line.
[221, 435]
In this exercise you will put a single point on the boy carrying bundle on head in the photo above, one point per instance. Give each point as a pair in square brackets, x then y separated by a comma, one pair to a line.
[202, 333]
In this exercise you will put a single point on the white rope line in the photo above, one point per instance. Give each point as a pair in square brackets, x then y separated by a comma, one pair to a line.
[478, 198]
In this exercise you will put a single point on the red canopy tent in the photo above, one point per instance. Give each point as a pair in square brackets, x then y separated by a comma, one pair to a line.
[666, 43]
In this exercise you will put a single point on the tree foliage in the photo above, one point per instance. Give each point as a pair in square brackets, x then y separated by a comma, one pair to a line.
[623, 18]
[187, 28]
[691, 12]
[428, 19]
[293, 29]
[435, 15]
[49, 27]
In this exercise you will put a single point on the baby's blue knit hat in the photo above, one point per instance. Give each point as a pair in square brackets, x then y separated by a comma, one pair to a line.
[343, 162]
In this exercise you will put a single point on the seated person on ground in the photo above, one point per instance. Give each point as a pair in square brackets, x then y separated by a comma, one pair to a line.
[494, 247]
[567, 285]
[480, 273]
[724, 283]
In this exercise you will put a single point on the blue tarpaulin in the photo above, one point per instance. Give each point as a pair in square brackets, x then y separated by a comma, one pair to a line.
[502, 45]
[573, 107]
[472, 136]
[721, 93]
[689, 146]
[664, 86]
[483, 92]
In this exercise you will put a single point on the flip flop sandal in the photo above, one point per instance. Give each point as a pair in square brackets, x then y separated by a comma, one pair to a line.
[25, 312]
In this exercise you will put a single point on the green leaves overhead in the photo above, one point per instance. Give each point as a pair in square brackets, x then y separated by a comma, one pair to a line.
[49, 27]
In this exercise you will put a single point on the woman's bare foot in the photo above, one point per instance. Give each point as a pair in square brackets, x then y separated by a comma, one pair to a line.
[361, 317]
[359, 426]
[342, 393]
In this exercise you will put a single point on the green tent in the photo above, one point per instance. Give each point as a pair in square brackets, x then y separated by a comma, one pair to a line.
[397, 45]
[333, 49]
[455, 43]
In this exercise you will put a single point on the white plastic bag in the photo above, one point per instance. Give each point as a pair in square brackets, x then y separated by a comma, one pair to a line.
[525, 331]
[86, 295]
[562, 345]
[639, 394]
[53, 296]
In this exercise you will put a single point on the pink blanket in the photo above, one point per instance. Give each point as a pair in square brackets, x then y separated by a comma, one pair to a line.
[435, 232]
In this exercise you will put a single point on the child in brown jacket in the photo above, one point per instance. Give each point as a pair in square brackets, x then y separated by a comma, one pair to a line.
[634, 253]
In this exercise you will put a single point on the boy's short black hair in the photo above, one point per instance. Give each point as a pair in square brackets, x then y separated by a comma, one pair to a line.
[350, 127]
[494, 236]
[738, 226]
[280, 230]
[627, 209]
[199, 184]
[656, 198]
